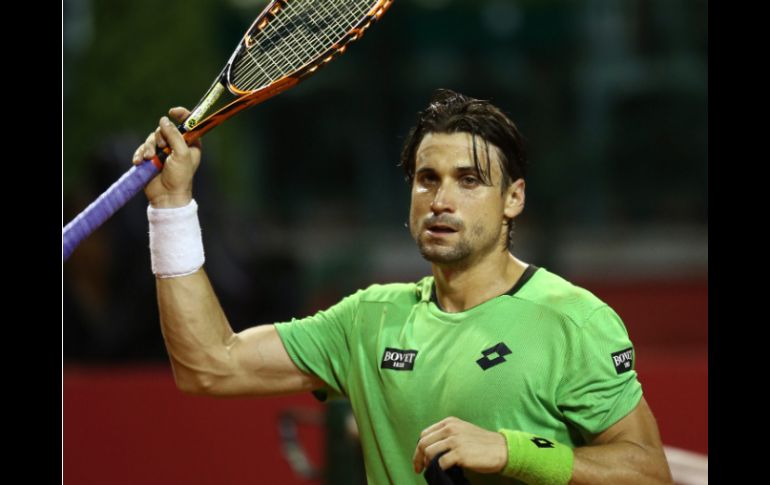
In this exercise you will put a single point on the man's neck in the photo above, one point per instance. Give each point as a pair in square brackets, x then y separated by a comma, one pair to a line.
[460, 289]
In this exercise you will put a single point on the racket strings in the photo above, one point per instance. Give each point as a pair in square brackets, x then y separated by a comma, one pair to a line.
[311, 47]
[307, 46]
[300, 32]
[303, 47]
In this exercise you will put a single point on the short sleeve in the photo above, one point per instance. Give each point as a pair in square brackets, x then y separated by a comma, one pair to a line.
[319, 344]
[599, 386]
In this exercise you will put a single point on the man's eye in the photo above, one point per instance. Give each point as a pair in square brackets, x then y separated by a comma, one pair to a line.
[468, 180]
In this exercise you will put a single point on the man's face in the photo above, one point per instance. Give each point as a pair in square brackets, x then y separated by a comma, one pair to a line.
[455, 217]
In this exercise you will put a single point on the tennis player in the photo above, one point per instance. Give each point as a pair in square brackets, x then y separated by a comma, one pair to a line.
[491, 364]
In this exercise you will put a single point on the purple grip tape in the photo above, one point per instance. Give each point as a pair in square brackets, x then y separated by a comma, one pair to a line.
[107, 204]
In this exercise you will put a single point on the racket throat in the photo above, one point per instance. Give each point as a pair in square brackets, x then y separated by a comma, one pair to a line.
[204, 105]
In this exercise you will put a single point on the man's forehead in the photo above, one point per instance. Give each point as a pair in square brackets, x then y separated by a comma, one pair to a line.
[454, 151]
[460, 141]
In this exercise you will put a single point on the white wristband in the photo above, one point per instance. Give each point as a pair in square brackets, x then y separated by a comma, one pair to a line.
[176, 247]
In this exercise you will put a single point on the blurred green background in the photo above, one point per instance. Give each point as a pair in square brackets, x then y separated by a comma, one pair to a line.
[301, 200]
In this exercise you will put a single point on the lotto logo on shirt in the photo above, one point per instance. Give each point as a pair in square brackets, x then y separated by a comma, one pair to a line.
[398, 359]
[623, 360]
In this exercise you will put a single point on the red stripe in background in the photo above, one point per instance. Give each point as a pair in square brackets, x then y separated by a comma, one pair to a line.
[675, 385]
[132, 426]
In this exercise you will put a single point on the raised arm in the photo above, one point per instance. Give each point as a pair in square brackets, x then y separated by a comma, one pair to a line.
[207, 357]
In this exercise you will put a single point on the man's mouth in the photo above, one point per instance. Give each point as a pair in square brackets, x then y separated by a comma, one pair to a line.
[441, 229]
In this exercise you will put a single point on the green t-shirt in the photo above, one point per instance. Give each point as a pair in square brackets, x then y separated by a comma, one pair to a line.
[547, 357]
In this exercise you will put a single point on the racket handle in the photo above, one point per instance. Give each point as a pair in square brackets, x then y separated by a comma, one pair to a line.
[107, 204]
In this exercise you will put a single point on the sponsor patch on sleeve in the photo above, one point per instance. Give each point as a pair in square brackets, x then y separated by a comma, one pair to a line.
[623, 360]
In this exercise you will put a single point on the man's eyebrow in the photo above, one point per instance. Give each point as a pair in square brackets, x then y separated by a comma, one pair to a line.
[459, 169]
[466, 169]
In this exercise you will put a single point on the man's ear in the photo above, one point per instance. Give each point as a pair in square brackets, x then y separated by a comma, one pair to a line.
[514, 199]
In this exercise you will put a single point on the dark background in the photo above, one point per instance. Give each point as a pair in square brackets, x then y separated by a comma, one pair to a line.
[301, 198]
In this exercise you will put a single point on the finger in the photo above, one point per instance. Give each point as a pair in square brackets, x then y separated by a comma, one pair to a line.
[419, 457]
[436, 449]
[172, 136]
[137, 158]
[160, 142]
[436, 426]
[179, 113]
[449, 459]
[150, 140]
[146, 150]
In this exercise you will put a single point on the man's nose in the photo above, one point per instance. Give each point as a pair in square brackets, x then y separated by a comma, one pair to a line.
[443, 200]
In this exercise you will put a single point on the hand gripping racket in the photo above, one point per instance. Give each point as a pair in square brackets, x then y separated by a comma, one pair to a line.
[289, 41]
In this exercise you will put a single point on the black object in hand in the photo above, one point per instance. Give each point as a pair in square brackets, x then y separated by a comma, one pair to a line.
[434, 475]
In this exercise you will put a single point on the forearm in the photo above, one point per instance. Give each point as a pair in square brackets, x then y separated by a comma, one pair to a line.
[620, 462]
[195, 329]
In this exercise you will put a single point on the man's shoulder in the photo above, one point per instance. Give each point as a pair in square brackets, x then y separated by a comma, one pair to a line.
[406, 292]
[561, 296]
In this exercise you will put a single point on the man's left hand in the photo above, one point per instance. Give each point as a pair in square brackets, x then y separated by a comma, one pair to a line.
[466, 445]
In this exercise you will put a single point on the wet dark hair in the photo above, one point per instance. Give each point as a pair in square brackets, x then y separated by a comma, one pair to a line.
[452, 112]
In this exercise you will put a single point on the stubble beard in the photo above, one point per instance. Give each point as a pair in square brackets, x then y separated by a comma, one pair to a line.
[448, 255]
[457, 254]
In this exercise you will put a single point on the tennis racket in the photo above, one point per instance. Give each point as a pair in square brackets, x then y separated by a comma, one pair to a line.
[289, 41]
